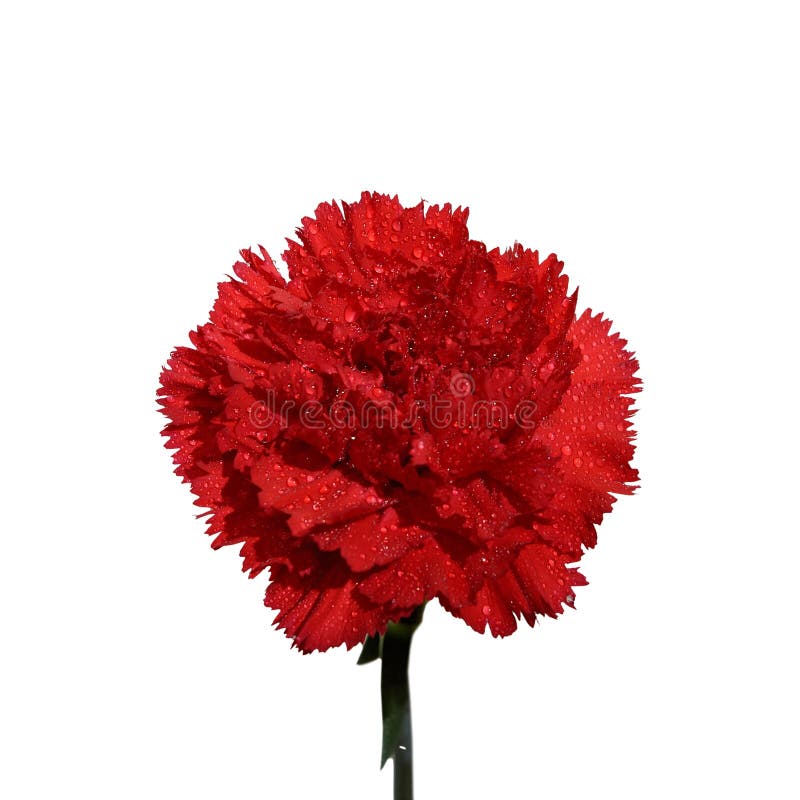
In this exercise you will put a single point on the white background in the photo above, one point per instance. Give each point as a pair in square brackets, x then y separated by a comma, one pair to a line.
[652, 146]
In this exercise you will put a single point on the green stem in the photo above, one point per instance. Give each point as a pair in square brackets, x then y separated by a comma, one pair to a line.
[396, 702]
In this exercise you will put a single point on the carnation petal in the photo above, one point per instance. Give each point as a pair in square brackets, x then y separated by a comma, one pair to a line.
[590, 434]
[325, 612]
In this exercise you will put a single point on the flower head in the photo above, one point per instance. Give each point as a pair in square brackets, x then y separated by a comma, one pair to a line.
[408, 417]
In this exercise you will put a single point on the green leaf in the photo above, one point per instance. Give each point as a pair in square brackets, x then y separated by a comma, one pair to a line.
[396, 724]
[371, 650]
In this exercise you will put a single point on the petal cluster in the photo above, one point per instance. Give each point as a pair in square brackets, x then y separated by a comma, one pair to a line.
[410, 416]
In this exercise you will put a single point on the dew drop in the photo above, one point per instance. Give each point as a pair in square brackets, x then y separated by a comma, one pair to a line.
[291, 481]
[566, 450]
[486, 610]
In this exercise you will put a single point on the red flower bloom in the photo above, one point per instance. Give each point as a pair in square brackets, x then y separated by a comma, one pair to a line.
[408, 417]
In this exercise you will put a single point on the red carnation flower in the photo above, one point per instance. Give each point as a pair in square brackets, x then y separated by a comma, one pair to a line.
[410, 416]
